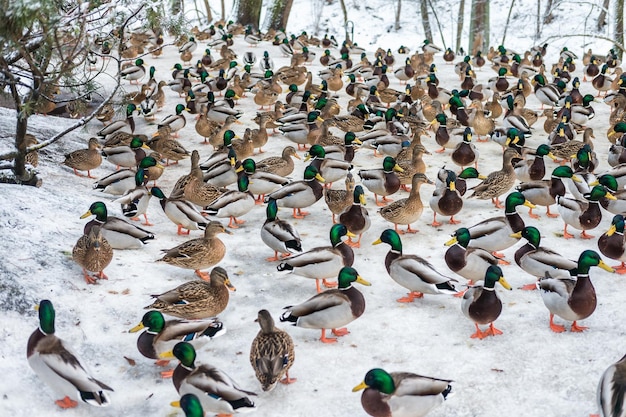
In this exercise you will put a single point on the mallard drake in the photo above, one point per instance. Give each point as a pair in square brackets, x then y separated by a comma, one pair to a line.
[465, 152]
[85, 159]
[582, 215]
[429, 47]
[611, 390]
[117, 183]
[582, 113]
[331, 169]
[356, 218]
[493, 234]
[413, 272]
[205, 388]
[119, 233]
[404, 73]
[612, 243]
[300, 194]
[93, 253]
[499, 182]
[547, 94]
[470, 263]
[392, 394]
[332, 308]
[180, 211]
[135, 202]
[382, 181]
[261, 183]
[196, 299]
[233, 204]
[533, 169]
[220, 170]
[602, 82]
[322, 262]
[446, 199]
[126, 156]
[445, 136]
[175, 121]
[481, 303]
[572, 299]
[537, 260]
[544, 192]
[272, 353]
[199, 253]
[161, 335]
[58, 366]
[134, 72]
[278, 234]
[219, 111]
[406, 210]
[303, 133]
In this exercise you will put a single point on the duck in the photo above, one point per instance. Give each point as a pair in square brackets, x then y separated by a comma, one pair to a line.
[322, 262]
[85, 159]
[612, 243]
[390, 394]
[338, 201]
[159, 336]
[470, 263]
[193, 187]
[382, 181]
[572, 299]
[356, 218]
[330, 169]
[493, 234]
[611, 390]
[481, 303]
[117, 183]
[498, 182]
[204, 387]
[119, 233]
[272, 353]
[582, 215]
[412, 162]
[199, 253]
[406, 210]
[56, 364]
[175, 121]
[261, 183]
[279, 235]
[300, 194]
[197, 299]
[602, 82]
[180, 211]
[404, 73]
[446, 137]
[332, 308]
[220, 170]
[93, 253]
[465, 152]
[413, 272]
[134, 72]
[126, 156]
[564, 151]
[446, 199]
[533, 169]
[544, 192]
[135, 202]
[547, 94]
[537, 260]
[500, 83]
[233, 204]
[299, 133]
[106, 113]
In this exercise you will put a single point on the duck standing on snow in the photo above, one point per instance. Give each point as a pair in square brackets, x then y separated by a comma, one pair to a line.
[498, 182]
[279, 235]
[481, 303]
[612, 243]
[300, 194]
[382, 181]
[413, 272]
[406, 210]
[85, 159]
[391, 394]
[356, 218]
[119, 233]
[332, 308]
[572, 299]
[59, 367]
[93, 253]
[582, 215]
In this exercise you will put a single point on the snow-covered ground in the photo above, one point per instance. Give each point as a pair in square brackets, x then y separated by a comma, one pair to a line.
[527, 371]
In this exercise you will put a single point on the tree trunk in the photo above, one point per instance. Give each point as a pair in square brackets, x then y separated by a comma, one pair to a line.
[223, 17]
[459, 24]
[428, 34]
[547, 15]
[396, 25]
[249, 12]
[209, 14]
[538, 22]
[278, 15]
[479, 25]
[508, 19]
[19, 167]
[602, 16]
[344, 10]
[619, 27]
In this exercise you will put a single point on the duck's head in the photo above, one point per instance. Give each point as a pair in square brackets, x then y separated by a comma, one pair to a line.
[597, 192]
[157, 192]
[184, 352]
[191, 405]
[153, 321]
[249, 166]
[565, 171]
[617, 225]
[349, 138]
[229, 135]
[460, 236]
[98, 209]
[390, 237]
[515, 199]
[337, 231]
[608, 181]
[493, 275]
[589, 258]
[316, 151]
[311, 173]
[45, 309]
[389, 164]
[467, 134]
[545, 150]
[379, 380]
[348, 275]
[531, 234]
[471, 172]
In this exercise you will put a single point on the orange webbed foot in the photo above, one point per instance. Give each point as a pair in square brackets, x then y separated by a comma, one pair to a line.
[162, 362]
[578, 329]
[66, 402]
[325, 339]
[286, 380]
[529, 287]
[167, 374]
[273, 258]
[453, 221]
[584, 235]
[203, 275]
[556, 328]
[479, 334]
[329, 284]
[410, 297]
[340, 332]
[492, 331]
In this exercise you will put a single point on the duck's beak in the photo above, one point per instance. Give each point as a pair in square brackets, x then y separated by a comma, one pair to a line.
[377, 242]
[319, 178]
[362, 199]
[175, 404]
[167, 355]
[505, 284]
[229, 285]
[451, 241]
[610, 196]
[551, 156]
[517, 235]
[604, 266]
[137, 328]
[576, 179]
[359, 387]
[452, 186]
[398, 168]
[611, 230]
[86, 214]
[529, 205]
[362, 281]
